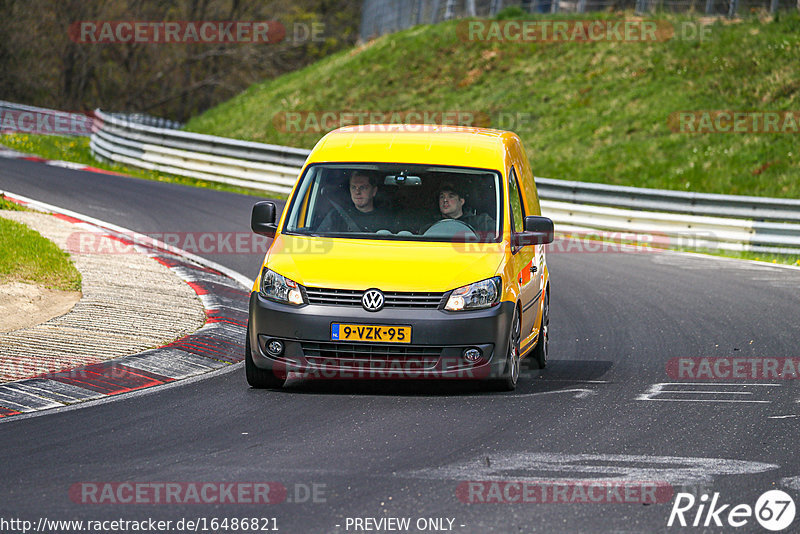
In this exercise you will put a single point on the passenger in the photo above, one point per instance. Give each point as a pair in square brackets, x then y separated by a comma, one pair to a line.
[360, 215]
[451, 206]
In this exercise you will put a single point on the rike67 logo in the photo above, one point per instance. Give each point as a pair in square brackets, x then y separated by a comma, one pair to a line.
[774, 510]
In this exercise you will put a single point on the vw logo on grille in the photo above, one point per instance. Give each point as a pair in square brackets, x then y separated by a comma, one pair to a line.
[372, 300]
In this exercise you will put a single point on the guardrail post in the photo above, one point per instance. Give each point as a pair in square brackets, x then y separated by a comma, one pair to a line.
[470, 8]
[449, 9]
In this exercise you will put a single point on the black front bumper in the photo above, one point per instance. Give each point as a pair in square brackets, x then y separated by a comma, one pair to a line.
[438, 340]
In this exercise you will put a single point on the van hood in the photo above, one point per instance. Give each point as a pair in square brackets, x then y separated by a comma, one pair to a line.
[387, 265]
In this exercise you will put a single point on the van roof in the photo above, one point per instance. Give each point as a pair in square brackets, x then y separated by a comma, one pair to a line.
[415, 143]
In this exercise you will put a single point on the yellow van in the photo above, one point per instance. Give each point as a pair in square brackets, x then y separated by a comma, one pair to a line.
[404, 251]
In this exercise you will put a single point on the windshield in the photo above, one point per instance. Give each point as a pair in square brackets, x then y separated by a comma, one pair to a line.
[397, 201]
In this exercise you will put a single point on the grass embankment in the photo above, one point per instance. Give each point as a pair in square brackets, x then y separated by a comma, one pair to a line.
[26, 256]
[76, 150]
[6, 204]
[593, 111]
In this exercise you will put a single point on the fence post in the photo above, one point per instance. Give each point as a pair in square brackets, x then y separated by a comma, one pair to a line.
[709, 7]
[470, 8]
[497, 5]
[732, 10]
[773, 6]
[435, 12]
[449, 9]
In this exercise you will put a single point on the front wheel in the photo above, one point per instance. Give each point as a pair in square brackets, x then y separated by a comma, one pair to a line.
[509, 381]
[259, 378]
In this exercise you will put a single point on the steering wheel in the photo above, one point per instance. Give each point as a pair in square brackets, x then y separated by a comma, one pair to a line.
[449, 228]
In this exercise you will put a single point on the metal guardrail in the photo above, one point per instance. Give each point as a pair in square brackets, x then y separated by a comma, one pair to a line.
[735, 206]
[259, 166]
[692, 220]
[149, 120]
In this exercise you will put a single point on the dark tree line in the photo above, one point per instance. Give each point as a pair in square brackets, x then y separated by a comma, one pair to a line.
[41, 65]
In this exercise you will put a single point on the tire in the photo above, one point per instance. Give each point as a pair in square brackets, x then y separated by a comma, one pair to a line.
[259, 378]
[509, 381]
[539, 354]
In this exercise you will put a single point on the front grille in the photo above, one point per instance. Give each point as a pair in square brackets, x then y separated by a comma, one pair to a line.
[392, 299]
[371, 356]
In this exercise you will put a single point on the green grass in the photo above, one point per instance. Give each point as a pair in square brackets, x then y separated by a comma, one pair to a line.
[76, 149]
[597, 111]
[6, 204]
[27, 256]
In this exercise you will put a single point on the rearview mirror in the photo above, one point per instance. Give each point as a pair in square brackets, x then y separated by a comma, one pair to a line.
[263, 219]
[538, 231]
[402, 179]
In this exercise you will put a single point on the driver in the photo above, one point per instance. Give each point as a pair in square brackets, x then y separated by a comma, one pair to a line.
[451, 206]
[360, 215]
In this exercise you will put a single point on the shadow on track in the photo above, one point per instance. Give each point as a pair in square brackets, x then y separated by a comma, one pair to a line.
[559, 375]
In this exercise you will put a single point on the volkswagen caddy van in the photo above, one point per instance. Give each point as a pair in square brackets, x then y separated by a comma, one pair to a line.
[403, 252]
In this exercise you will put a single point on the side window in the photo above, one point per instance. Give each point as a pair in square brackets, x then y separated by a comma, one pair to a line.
[515, 198]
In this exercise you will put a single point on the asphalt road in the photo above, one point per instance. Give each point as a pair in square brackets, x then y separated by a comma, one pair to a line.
[606, 409]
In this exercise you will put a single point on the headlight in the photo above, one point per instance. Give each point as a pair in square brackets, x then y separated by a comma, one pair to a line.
[277, 287]
[483, 294]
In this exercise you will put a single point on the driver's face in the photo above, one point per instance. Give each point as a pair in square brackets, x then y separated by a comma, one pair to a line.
[362, 193]
[450, 204]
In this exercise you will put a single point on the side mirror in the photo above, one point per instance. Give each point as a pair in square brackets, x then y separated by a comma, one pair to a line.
[263, 219]
[538, 231]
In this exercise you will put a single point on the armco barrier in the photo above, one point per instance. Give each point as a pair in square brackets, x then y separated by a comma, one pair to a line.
[729, 222]
[220, 159]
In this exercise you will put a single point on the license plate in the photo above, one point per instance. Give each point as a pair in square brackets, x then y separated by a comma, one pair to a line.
[370, 333]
